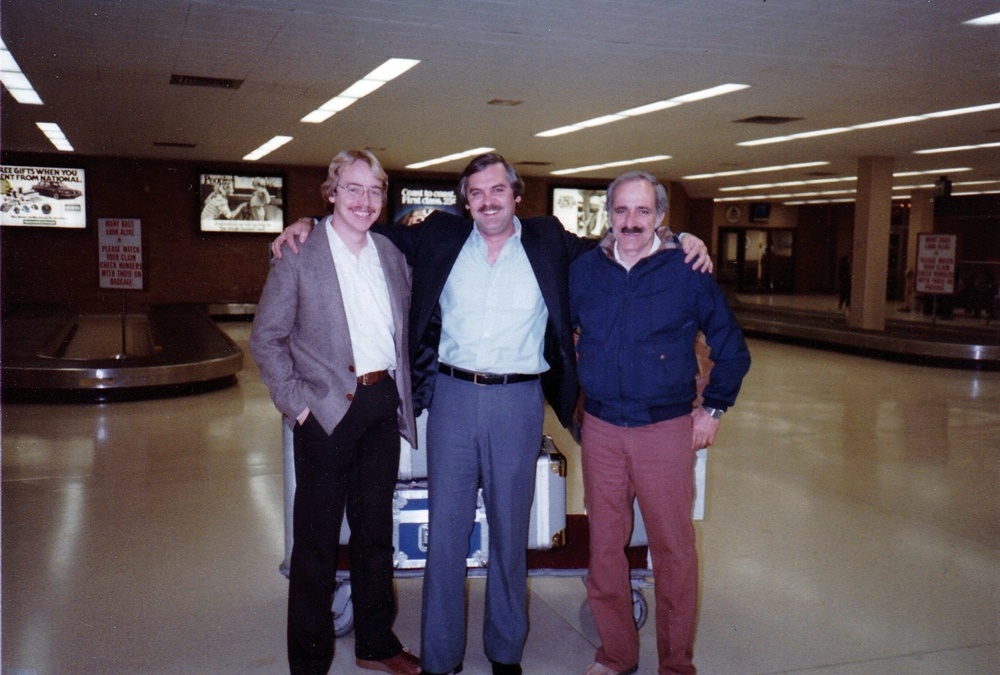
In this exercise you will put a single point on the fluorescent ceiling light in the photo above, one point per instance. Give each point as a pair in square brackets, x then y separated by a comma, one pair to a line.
[644, 109]
[842, 179]
[988, 20]
[974, 192]
[598, 121]
[789, 183]
[649, 108]
[871, 125]
[389, 70]
[55, 135]
[267, 148]
[906, 174]
[956, 148]
[449, 158]
[328, 109]
[826, 194]
[559, 131]
[787, 195]
[889, 123]
[609, 165]
[15, 81]
[925, 186]
[964, 111]
[818, 201]
[761, 169]
[709, 93]
[975, 182]
[822, 132]
[361, 88]
[929, 186]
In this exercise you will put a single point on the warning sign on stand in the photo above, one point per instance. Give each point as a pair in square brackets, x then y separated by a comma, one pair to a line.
[120, 258]
[936, 260]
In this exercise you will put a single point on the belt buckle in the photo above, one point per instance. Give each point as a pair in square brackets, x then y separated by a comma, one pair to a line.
[475, 379]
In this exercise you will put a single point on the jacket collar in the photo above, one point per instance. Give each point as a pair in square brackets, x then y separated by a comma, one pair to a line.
[667, 239]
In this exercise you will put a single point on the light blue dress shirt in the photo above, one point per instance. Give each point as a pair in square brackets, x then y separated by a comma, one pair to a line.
[493, 316]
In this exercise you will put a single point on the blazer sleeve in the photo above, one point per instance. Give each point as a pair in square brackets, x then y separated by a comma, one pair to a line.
[576, 245]
[269, 338]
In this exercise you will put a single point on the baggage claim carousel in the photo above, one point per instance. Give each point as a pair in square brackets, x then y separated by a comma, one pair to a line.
[945, 343]
[53, 353]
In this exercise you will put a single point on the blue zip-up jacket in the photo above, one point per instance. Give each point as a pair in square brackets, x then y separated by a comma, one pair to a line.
[636, 361]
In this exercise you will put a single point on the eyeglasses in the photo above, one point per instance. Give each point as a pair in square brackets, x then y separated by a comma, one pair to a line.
[357, 191]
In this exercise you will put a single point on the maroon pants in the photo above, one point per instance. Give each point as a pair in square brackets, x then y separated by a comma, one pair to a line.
[654, 463]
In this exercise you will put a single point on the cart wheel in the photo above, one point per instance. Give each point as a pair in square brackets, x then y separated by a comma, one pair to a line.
[343, 609]
[639, 608]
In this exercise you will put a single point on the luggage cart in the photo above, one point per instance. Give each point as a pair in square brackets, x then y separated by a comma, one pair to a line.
[558, 544]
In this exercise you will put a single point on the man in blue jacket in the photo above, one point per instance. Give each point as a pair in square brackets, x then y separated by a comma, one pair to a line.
[638, 308]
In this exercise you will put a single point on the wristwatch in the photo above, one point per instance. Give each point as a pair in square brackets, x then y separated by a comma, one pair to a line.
[714, 413]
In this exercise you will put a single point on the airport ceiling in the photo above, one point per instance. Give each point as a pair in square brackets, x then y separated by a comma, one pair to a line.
[495, 73]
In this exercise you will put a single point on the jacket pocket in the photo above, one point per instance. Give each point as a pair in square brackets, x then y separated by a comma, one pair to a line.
[662, 373]
[596, 369]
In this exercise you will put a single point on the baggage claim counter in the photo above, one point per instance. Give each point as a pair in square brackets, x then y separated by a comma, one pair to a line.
[51, 352]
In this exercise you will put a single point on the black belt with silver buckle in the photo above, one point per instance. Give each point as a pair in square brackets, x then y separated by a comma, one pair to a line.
[373, 377]
[484, 378]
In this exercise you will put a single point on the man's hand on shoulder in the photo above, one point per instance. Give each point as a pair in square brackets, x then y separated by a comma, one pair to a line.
[300, 230]
[695, 250]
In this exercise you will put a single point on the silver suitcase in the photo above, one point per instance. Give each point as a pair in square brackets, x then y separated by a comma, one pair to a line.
[547, 527]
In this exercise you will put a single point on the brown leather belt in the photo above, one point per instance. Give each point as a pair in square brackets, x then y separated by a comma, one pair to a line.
[373, 377]
[484, 378]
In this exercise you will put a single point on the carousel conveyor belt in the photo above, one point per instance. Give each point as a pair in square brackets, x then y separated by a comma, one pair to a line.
[168, 349]
[938, 344]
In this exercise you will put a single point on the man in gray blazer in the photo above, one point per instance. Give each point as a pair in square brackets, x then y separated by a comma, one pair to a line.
[329, 338]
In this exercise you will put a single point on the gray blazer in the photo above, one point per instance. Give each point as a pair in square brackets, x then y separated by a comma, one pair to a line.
[301, 342]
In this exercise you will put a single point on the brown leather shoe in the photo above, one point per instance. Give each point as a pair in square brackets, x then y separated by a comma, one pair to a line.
[403, 663]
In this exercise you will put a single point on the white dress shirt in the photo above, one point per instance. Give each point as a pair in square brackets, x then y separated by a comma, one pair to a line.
[366, 301]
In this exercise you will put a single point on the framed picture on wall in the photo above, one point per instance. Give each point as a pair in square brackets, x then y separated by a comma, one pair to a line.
[580, 210]
[43, 196]
[412, 201]
[246, 203]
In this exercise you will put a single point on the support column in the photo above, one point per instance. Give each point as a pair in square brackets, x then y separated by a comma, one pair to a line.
[921, 222]
[872, 215]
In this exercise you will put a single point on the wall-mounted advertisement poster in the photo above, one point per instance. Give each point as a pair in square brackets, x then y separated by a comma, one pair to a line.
[581, 210]
[241, 203]
[42, 196]
[411, 202]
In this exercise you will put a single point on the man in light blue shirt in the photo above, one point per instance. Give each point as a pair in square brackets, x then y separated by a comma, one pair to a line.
[493, 316]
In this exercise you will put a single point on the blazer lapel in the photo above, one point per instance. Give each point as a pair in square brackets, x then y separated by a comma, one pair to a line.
[394, 276]
[542, 263]
[322, 269]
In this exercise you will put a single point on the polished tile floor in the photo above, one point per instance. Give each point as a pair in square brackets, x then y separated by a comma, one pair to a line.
[852, 527]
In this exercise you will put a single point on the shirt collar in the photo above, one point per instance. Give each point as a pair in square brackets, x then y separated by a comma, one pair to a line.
[664, 239]
[339, 244]
[476, 237]
[653, 246]
[479, 236]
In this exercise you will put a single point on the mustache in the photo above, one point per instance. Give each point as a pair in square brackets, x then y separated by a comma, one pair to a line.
[631, 230]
